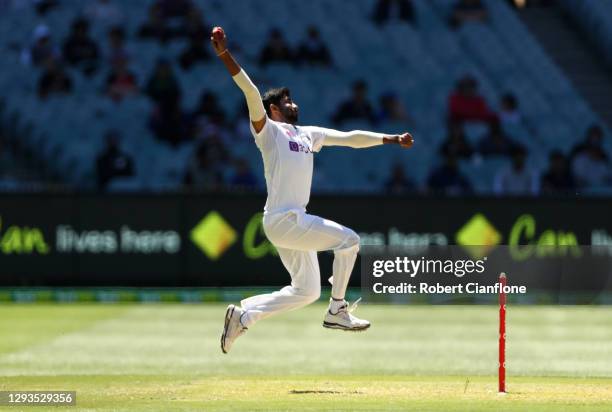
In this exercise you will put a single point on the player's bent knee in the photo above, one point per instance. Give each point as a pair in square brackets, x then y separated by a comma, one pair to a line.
[353, 240]
[312, 298]
[311, 294]
[350, 244]
[314, 294]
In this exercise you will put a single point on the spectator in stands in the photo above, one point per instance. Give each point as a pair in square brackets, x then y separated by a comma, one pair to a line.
[465, 11]
[42, 7]
[496, 143]
[357, 107]
[243, 178]
[163, 86]
[391, 109]
[592, 140]
[216, 147]
[447, 179]
[389, 9]
[276, 50]
[155, 26]
[113, 162]
[41, 49]
[591, 166]
[398, 183]
[79, 48]
[54, 80]
[520, 4]
[209, 111]
[312, 49]
[195, 52]
[104, 12]
[509, 113]
[466, 104]
[205, 171]
[116, 45]
[121, 82]
[194, 27]
[170, 123]
[558, 178]
[517, 178]
[175, 8]
[241, 122]
[456, 143]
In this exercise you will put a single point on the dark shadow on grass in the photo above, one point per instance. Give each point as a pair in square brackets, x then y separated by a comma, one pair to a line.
[308, 392]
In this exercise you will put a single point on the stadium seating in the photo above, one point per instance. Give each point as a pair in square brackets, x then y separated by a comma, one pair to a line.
[420, 63]
[594, 17]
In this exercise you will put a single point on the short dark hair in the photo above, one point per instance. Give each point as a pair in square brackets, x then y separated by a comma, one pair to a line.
[274, 96]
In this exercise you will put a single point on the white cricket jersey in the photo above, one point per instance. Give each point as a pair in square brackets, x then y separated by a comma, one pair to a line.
[287, 153]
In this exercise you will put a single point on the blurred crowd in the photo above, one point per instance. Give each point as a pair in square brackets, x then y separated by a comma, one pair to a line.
[213, 167]
[166, 21]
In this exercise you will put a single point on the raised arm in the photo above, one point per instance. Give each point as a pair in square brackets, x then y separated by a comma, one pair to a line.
[360, 139]
[257, 113]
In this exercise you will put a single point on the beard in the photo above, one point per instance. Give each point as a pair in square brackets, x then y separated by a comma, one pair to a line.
[291, 117]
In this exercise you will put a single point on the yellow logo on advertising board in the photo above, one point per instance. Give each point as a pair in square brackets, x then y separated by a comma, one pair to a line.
[22, 240]
[479, 235]
[213, 235]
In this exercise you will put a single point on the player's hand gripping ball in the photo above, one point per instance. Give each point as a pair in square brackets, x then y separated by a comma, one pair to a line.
[218, 34]
[406, 140]
[218, 40]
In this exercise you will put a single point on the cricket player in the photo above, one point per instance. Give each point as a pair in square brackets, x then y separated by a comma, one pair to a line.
[287, 150]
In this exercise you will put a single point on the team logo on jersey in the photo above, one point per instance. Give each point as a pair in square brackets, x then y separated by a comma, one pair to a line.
[298, 147]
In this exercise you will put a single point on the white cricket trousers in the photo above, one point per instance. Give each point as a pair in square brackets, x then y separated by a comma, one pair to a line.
[298, 237]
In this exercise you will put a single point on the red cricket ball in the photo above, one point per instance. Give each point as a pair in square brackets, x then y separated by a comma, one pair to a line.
[218, 33]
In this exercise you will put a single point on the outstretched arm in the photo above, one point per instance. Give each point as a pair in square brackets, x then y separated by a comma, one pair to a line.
[257, 113]
[360, 139]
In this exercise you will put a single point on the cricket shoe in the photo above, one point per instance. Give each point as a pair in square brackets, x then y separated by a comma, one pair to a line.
[232, 328]
[344, 320]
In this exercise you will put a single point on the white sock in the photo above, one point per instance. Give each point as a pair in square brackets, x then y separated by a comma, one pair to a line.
[335, 305]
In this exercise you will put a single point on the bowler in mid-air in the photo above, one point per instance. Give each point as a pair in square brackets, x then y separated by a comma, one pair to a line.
[287, 151]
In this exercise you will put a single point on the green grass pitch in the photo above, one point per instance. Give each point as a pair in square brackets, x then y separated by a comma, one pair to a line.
[415, 358]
